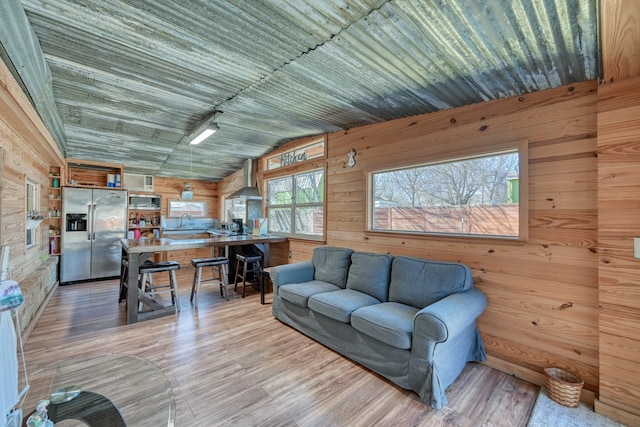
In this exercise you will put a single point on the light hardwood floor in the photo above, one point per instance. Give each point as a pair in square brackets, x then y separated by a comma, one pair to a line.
[232, 363]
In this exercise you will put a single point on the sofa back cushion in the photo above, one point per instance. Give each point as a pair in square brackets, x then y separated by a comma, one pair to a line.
[331, 264]
[420, 282]
[369, 273]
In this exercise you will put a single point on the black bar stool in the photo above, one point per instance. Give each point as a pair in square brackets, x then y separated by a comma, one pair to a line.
[146, 281]
[124, 277]
[124, 272]
[218, 264]
[251, 261]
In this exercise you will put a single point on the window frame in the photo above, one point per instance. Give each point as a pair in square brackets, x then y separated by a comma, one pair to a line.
[292, 175]
[31, 235]
[522, 148]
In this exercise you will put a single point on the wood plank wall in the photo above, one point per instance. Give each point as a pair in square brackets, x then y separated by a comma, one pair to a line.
[543, 293]
[618, 211]
[171, 189]
[620, 35]
[619, 271]
[28, 151]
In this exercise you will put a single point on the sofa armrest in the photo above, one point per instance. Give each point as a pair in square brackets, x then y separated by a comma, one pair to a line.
[298, 272]
[449, 316]
[448, 324]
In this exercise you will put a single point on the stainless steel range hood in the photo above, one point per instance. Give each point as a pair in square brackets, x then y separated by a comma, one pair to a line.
[249, 192]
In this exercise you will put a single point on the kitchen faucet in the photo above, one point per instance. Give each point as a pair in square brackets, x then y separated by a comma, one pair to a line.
[182, 218]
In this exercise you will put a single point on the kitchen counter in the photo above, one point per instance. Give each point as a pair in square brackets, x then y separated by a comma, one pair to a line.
[144, 245]
[137, 251]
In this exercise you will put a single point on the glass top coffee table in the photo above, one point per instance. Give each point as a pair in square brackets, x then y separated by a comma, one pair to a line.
[110, 387]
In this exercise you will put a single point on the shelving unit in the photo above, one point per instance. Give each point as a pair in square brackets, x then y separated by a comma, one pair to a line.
[85, 173]
[55, 207]
[145, 214]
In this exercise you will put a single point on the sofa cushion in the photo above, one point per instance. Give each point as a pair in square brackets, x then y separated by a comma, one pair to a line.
[299, 293]
[339, 305]
[420, 283]
[369, 273]
[389, 322]
[331, 264]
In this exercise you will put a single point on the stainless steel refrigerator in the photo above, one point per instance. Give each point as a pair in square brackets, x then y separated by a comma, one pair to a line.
[94, 221]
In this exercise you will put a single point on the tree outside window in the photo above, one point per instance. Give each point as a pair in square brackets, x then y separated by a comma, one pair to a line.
[476, 196]
[295, 204]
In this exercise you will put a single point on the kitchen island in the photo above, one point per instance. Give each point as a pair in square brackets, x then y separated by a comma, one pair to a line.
[138, 251]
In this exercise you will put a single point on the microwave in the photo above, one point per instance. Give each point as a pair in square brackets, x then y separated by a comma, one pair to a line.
[145, 202]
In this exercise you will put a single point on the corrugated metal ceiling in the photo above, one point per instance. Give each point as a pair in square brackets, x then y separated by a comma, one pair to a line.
[130, 78]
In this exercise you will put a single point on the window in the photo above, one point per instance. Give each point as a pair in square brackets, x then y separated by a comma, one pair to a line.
[177, 208]
[476, 196]
[33, 214]
[295, 205]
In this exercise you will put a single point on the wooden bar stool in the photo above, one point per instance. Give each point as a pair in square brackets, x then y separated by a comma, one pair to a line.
[218, 264]
[251, 261]
[146, 281]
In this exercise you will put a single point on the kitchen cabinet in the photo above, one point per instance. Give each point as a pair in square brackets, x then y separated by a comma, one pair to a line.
[184, 256]
[145, 217]
[55, 207]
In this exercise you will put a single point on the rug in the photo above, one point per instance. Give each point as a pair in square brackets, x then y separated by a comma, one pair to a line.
[547, 413]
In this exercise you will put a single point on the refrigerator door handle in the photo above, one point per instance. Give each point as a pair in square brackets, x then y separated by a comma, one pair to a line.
[89, 222]
[93, 223]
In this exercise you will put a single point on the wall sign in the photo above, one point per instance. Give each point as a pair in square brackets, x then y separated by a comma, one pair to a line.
[307, 152]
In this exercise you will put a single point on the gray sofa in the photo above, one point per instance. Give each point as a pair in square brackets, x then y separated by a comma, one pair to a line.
[410, 320]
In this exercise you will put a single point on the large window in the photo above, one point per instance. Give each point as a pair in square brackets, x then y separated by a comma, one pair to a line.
[295, 205]
[477, 196]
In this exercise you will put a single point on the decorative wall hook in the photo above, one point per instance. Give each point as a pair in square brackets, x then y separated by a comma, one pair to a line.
[352, 161]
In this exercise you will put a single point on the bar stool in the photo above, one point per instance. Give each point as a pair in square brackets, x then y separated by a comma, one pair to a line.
[146, 280]
[124, 277]
[248, 261]
[124, 274]
[219, 264]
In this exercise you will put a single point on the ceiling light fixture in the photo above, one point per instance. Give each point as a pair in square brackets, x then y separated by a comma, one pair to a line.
[204, 129]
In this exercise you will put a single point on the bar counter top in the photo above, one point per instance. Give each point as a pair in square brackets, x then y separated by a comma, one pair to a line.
[145, 245]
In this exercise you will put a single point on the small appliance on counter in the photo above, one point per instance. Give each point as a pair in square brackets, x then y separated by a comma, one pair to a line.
[239, 227]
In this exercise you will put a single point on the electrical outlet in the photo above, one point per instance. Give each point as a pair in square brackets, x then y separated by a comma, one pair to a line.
[636, 247]
[290, 254]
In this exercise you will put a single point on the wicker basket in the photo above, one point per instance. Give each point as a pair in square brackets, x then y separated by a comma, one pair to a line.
[563, 387]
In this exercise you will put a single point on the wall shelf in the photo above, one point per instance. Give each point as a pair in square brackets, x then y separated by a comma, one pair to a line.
[85, 173]
[55, 207]
[145, 215]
